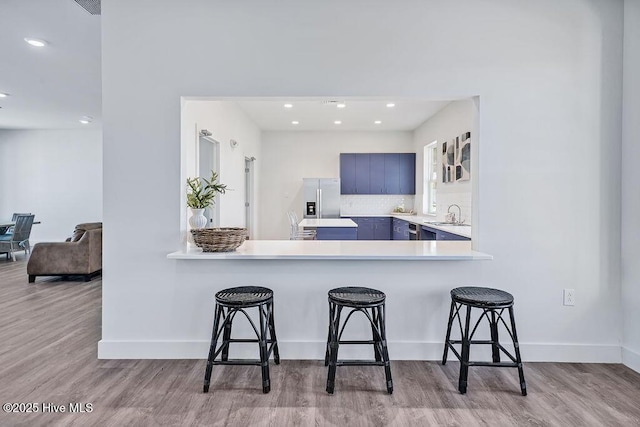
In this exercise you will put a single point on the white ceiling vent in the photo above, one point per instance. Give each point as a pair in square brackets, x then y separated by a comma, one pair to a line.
[91, 6]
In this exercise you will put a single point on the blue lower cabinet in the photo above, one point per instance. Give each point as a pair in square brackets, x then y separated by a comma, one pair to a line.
[382, 228]
[337, 233]
[428, 233]
[365, 228]
[400, 229]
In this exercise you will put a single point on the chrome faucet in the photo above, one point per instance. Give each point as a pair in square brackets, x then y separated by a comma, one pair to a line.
[459, 220]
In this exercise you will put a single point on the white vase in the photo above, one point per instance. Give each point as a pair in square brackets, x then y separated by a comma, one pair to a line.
[197, 220]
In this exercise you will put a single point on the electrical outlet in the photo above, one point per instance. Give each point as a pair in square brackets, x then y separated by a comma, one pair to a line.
[569, 296]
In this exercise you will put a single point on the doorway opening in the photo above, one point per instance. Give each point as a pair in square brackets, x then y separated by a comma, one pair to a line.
[208, 161]
[248, 195]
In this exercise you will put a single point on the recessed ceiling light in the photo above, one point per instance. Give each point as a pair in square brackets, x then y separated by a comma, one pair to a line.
[3, 95]
[341, 105]
[391, 105]
[377, 122]
[288, 105]
[337, 122]
[35, 42]
[295, 122]
[85, 120]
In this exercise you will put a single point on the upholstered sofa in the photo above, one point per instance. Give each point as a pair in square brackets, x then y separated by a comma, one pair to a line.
[81, 254]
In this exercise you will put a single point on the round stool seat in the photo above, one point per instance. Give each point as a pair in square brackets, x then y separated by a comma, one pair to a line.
[355, 295]
[244, 295]
[481, 296]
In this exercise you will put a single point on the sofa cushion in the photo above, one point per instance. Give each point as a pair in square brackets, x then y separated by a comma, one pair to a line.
[82, 228]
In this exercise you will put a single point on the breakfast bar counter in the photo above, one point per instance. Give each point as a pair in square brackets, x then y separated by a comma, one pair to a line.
[341, 250]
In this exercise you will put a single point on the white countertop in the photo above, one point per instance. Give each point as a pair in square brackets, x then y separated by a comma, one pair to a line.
[342, 250]
[327, 222]
[460, 230]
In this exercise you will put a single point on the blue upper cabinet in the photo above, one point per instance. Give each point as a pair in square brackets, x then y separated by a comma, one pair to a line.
[377, 178]
[379, 173]
[362, 174]
[347, 174]
[392, 173]
[407, 173]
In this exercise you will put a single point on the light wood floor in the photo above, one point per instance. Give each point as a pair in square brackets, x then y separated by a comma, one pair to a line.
[48, 338]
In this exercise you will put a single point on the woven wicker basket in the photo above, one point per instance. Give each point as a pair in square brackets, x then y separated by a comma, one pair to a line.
[225, 239]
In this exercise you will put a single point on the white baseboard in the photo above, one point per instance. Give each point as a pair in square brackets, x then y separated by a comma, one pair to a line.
[398, 350]
[631, 359]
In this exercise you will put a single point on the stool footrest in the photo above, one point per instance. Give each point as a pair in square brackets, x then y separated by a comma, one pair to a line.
[495, 364]
[359, 363]
[236, 362]
[357, 342]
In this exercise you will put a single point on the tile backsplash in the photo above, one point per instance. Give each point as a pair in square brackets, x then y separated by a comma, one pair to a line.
[373, 204]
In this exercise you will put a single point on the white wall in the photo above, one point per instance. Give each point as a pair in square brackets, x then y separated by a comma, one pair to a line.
[291, 156]
[630, 179]
[452, 121]
[55, 174]
[548, 75]
[226, 122]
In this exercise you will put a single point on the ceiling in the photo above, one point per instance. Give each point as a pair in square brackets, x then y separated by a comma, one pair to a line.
[55, 86]
[359, 114]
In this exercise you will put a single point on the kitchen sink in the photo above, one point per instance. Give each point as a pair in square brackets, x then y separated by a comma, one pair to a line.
[455, 224]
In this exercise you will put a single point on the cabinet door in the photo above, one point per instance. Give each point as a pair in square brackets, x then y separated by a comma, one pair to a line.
[443, 235]
[392, 173]
[376, 174]
[382, 229]
[365, 228]
[407, 173]
[362, 174]
[347, 173]
[404, 230]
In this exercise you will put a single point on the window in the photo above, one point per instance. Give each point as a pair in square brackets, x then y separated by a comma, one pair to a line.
[430, 178]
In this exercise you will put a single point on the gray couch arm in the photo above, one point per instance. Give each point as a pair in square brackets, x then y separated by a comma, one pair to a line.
[81, 257]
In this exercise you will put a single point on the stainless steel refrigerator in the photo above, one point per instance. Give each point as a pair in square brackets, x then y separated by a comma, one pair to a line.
[321, 197]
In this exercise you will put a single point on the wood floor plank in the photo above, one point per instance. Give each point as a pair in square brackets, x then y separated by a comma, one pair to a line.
[48, 354]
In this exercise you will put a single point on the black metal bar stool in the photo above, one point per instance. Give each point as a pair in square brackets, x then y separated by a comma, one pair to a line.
[358, 299]
[230, 302]
[493, 303]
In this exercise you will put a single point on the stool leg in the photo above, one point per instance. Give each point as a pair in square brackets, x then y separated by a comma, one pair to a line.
[212, 348]
[385, 351]
[464, 362]
[333, 347]
[226, 336]
[516, 345]
[327, 354]
[376, 340]
[272, 333]
[448, 336]
[264, 360]
[495, 350]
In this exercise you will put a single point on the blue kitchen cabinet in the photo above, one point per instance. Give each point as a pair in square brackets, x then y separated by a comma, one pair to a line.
[378, 173]
[337, 233]
[347, 173]
[382, 228]
[428, 233]
[400, 229]
[407, 176]
[392, 173]
[365, 228]
[362, 174]
[377, 177]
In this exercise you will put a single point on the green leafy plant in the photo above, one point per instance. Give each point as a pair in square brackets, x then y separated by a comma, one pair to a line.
[201, 191]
